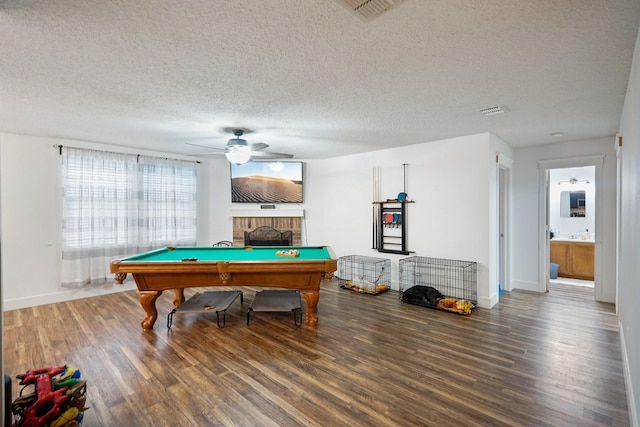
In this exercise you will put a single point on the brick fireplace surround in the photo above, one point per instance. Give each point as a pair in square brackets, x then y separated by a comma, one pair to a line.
[281, 223]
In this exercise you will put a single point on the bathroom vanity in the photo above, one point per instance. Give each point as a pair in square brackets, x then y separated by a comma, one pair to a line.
[575, 257]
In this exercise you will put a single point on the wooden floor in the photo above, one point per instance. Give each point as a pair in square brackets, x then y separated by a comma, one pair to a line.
[533, 360]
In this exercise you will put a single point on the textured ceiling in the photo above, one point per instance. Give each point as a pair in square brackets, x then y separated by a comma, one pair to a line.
[309, 77]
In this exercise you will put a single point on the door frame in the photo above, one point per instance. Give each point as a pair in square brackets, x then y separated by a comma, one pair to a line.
[618, 148]
[504, 167]
[543, 224]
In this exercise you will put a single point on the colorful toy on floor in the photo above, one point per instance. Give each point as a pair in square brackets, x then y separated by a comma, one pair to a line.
[455, 305]
[366, 288]
[57, 400]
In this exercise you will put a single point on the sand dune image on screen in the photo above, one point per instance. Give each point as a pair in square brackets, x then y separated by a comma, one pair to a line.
[264, 189]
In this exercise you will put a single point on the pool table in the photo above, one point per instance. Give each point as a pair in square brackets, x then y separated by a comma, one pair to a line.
[186, 267]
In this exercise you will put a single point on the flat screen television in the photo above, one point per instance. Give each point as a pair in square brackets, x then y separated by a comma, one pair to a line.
[266, 182]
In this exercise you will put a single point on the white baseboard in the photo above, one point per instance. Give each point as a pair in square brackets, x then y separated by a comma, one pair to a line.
[526, 286]
[633, 413]
[487, 302]
[67, 295]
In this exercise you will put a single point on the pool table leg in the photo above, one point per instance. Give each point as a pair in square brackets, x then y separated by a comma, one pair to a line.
[148, 303]
[179, 298]
[311, 297]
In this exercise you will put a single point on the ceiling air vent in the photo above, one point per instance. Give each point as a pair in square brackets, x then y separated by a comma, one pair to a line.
[492, 111]
[369, 9]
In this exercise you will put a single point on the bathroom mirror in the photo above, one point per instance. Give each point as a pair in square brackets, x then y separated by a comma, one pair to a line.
[573, 204]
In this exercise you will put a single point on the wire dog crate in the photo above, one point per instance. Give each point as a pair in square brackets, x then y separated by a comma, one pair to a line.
[455, 282]
[364, 274]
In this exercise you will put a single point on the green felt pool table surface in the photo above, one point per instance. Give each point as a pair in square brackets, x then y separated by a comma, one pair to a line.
[255, 253]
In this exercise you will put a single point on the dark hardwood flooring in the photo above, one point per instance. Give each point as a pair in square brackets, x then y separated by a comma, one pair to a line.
[549, 359]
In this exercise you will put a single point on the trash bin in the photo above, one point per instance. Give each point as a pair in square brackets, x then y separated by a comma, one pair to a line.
[553, 270]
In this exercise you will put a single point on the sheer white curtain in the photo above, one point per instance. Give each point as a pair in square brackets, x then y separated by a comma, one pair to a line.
[114, 205]
[168, 214]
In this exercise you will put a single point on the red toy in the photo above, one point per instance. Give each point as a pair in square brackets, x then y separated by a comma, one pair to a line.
[48, 402]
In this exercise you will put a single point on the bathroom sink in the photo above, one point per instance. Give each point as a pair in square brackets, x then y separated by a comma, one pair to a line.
[571, 238]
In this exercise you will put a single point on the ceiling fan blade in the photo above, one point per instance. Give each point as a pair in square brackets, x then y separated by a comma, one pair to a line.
[205, 146]
[269, 155]
[209, 154]
[258, 146]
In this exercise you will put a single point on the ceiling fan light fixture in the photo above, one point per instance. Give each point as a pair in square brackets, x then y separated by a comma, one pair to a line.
[238, 155]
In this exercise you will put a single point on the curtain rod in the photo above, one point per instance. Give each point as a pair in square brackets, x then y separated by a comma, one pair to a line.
[59, 147]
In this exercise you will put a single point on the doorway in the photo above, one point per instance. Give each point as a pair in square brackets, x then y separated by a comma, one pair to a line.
[557, 176]
[571, 208]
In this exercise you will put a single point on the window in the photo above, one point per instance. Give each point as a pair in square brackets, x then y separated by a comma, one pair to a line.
[114, 205]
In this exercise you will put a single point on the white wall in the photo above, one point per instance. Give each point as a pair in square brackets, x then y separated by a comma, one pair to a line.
[453, 215]
[629, 265]
[526, 212]
[30, 225]
[216, 195]
[450, 182]
[2, 393]
[31, 221]
[453, 185]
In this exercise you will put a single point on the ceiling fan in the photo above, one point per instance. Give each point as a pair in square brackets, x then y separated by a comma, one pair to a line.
[239, 151]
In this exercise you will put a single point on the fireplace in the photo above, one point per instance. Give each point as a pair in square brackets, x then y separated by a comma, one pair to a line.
[291, 226]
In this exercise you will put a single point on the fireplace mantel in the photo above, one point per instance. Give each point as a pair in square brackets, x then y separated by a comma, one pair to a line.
[270, 213]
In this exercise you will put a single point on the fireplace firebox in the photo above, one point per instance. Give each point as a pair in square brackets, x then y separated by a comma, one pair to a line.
[268, 236]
